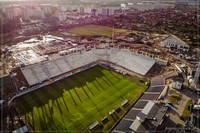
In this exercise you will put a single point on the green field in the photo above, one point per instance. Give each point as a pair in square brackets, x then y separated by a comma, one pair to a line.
[89, 30]
[78, 101]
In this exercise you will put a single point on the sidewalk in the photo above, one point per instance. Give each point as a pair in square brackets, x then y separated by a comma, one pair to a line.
[177, 109]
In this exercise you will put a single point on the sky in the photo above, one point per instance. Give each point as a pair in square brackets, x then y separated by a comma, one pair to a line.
[29, 0]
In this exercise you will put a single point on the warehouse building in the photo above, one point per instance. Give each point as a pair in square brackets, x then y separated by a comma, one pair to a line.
[174, 42]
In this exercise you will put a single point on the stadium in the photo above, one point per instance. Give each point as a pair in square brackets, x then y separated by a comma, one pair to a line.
[88, 90]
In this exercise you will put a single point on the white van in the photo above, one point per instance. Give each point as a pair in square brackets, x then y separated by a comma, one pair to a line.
[196, 107]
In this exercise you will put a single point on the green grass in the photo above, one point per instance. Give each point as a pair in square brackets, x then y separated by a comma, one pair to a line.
[173, 97]
[173, 100]
[174, 92]
[59, 34]
[186, 113]
[91, 30]
[78, 100]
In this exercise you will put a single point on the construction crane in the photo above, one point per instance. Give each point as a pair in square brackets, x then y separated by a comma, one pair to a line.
[113, 34]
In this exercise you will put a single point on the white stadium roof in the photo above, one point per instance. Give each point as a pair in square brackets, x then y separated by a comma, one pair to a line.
[39, 72]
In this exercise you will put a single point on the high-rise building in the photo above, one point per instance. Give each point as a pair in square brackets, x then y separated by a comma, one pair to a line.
[12, 12]
[63, 8]
[94, 12]
[61, 16]
[123, 5]
[25, 14]
[48, 9]
[81, 10]
[87, 10]
[107, 11]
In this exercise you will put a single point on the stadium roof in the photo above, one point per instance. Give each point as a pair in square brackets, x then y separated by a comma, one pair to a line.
[174, 39]
[148, 107]
[39, 72]
[4, 81]
[23, 129]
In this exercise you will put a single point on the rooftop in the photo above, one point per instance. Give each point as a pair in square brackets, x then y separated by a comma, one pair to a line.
[149, 118]
[174, 39]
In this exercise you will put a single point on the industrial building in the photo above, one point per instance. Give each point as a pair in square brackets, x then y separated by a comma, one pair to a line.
[174, 42]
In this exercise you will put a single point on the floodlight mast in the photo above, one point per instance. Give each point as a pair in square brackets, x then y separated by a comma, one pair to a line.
[196, 78]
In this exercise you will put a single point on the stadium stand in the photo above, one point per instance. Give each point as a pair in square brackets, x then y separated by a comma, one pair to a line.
[63, 65]
[38, 73]
[30, 77]
[51, 69]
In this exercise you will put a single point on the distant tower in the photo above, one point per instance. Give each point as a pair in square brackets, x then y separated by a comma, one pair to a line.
[93, 12]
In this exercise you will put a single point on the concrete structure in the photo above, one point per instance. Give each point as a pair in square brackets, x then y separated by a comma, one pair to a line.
[23, 129]
[174, 42]
[177, 83]
[94, 125]
[38, 73]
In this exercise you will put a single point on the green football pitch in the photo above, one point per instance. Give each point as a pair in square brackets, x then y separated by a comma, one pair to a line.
[90, 30]
[74, 103]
